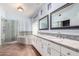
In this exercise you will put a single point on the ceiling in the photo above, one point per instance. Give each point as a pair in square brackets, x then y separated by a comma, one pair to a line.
[29, 8]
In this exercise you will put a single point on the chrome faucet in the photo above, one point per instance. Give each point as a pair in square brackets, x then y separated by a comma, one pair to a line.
[60, 35]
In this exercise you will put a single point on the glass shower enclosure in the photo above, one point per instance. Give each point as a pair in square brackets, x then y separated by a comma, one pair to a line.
[8, 30]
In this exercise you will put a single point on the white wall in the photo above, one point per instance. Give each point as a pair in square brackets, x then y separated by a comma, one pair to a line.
[46, 12]
[24, 22]
[11, 13]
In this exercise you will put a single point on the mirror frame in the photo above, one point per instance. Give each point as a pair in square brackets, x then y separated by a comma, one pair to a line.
[66, 27]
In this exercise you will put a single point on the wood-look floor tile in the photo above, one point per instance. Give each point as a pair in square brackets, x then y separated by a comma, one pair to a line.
[18, 49]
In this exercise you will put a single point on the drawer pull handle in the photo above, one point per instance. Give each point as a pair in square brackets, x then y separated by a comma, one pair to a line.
[68, 54]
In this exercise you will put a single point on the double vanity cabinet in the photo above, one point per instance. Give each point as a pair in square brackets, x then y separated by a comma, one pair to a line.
[55, 46]
[48, 45]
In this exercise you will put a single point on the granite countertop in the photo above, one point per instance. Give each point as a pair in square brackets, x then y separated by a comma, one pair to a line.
[62, 41]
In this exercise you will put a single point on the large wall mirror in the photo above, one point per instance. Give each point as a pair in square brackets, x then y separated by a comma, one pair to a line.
[66, 17]
[43, 23]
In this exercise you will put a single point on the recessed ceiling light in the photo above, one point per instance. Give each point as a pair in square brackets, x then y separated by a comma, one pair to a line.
[20, 9]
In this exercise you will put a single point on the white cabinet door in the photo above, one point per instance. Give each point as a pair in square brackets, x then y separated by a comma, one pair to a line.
[40, 43]
[26, 39]
[55, 52]
[29, 39]
[53, 49]
[33, 40]
[44, 45]
[55, 46]
[68, 52]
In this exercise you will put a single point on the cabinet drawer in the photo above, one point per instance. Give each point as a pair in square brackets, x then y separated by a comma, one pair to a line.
[55, 46]
[54, 52]
[68, 52]
[53, 49]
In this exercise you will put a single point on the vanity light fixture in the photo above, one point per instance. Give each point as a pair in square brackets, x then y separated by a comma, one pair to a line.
[20, 9]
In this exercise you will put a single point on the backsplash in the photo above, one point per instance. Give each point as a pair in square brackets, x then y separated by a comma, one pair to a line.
[72, 37]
